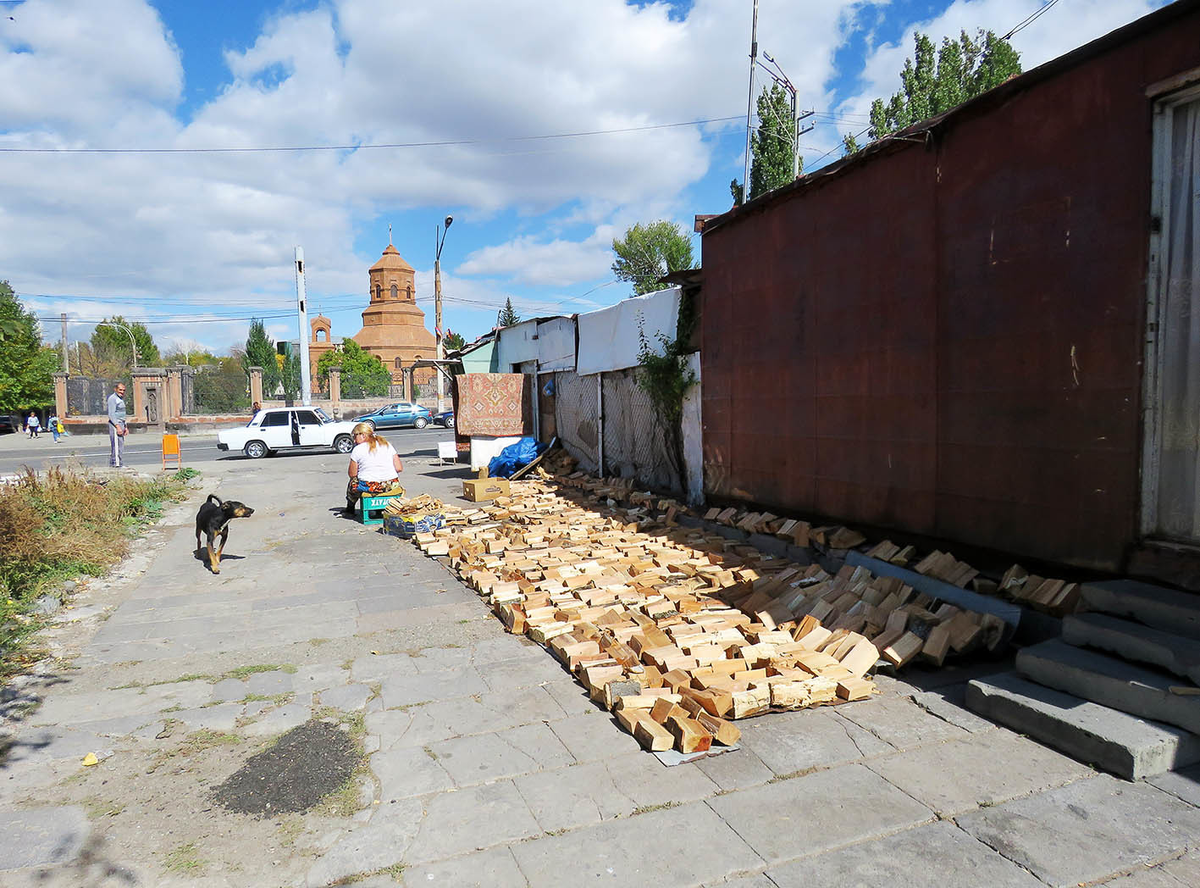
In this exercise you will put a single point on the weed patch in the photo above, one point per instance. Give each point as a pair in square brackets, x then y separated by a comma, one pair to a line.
[184, 859]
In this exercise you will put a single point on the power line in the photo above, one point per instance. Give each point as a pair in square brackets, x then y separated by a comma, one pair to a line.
[1029, 19]
[440, 143]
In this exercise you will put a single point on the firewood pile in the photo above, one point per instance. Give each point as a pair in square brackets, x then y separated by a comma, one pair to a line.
[680, 631]
[414, 508]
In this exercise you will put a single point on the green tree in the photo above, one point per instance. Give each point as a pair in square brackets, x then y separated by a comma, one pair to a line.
[508, 316]
[222, 387]
[111, 344]
[289, 375]
[772, 146]
[190, 358]
[647, 252]
[26, 366]
[363, 375]
[260, 352]
[453, 341]
[935, 80]
[849, 143]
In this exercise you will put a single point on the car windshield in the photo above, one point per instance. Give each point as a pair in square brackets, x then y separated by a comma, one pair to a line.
[325, 418]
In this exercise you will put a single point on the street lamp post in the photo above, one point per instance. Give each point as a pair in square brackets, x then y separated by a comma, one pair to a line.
[132, 341]
[439, 237]
[782, 79]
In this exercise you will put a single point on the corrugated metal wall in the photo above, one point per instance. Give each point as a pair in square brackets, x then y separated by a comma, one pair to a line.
[952, 332]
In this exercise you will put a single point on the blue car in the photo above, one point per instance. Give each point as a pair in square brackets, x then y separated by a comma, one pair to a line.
[398, 416]
[445, 418]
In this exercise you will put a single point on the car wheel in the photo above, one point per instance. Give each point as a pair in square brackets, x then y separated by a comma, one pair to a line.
[256, 450]
[449, 422]
[343, 444]
[370, 423]
[420, 422]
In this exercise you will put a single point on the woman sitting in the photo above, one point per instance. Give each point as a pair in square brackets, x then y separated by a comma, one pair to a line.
[375, 466]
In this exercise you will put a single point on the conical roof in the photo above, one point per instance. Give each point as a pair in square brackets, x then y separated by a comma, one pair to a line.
[391, 260]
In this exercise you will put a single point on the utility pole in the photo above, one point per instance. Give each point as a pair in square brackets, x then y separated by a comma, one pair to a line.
[439, 239]
[65, 348]
[302, 318]
[750, 100]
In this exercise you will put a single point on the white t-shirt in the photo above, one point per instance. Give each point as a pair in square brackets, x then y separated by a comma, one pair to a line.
[375, 466]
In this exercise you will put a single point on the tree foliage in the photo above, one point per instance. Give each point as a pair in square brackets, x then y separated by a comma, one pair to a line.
[363, 375]
[508, 316]
[647, 252]
[111, 345]
[453, 341]
[290, 375]
[27, 366]
[222, 387]
[935, 80]
[772, 146]
[190, 358]
[260, 352]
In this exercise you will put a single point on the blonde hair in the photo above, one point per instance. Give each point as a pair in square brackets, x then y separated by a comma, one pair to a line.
[365, 428]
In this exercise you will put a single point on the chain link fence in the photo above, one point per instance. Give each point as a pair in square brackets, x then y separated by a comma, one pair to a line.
[635, 442]
[576, 418]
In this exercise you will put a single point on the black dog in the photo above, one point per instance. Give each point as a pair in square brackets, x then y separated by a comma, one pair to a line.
[212, 519]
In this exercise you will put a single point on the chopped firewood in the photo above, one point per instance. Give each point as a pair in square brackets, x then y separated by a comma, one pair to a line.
[689, 734]
[651, 734]
[845, 538]
[937, 643]
[903, 649]
[855, 689]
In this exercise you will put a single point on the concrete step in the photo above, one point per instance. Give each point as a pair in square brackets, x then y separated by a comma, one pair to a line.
[1135, 642]
[1120, 743]
[1166, 609]
[1109, 682]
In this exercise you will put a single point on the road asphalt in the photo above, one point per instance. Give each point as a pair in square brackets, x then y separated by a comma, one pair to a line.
[482, 760]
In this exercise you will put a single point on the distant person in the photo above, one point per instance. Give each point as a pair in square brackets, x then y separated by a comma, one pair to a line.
[374, 468]
[254, 408]
[33, 424]
[55, 426]
[117, 426]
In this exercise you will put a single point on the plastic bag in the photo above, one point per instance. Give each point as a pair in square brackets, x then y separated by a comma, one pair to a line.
[514, 457]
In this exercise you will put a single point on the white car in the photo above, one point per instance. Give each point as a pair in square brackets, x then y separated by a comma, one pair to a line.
[288, 428]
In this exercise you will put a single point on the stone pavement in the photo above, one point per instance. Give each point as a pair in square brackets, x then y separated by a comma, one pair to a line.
[485, 762]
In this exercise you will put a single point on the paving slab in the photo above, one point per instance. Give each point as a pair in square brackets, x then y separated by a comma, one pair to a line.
[934, 855]
[1147, 603]
[789, 742]
[1184, 784]
[228, 690]
[222, 717]
[580, 795]
[648, 782]
[1109, 682]
[34, 746]
[269, 683]
[571, 696]
[494, 868]
[407, 690]
[348, 698]
[1120, 743]
[494, 710]
[1147, 877]
[1088, 830]
[735, 770]
[400, 728]
[67, 708]
[961, 775]
[812, 814]
[673, 847]
[376, 667]
[593, 735]
[949, 704]
[472, 819]
[757, 880]
[1133, 641]
[379, 844]
[41, 836]
[406, 772]
[523, 672]
[278, 720]
[482, 758]
[899, 721]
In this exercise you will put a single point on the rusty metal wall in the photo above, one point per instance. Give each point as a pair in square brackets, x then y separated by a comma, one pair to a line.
[952, 331]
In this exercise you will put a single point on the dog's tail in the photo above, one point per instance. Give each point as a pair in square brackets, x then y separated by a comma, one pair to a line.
[213, 498]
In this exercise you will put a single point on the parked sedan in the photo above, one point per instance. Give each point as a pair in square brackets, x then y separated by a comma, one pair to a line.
[398, 416]
[445, 418]
[288, 428]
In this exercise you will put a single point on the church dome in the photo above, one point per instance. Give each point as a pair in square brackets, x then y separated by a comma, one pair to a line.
[391, 260]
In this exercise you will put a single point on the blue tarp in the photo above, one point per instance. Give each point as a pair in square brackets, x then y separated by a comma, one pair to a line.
[514, 457]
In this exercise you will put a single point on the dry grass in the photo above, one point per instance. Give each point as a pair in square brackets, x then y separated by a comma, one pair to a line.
[60, 524]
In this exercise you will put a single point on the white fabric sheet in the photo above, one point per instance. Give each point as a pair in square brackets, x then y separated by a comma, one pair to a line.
[608, 338]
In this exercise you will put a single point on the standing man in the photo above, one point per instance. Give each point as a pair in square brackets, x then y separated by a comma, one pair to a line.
[116, 425]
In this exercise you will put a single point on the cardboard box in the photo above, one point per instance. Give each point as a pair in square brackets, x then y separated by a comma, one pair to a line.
[480, 489]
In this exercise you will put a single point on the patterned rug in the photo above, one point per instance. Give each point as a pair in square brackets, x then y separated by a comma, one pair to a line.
[493, 404]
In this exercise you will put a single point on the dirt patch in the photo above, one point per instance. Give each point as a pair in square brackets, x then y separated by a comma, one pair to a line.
[306, 764]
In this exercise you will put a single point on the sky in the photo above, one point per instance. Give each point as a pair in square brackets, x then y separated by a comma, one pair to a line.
[162, 160]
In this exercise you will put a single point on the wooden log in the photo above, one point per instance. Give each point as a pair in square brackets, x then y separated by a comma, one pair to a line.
[690, 736]
[752, 701]
[855, 689]
[652, 735]
[903, 649]
[802, 693]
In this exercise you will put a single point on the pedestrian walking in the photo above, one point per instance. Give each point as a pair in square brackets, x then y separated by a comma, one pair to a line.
[34, 424]
[55, 426]
[117, 426]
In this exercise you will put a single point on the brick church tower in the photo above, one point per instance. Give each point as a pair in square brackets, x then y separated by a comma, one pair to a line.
[393, 327]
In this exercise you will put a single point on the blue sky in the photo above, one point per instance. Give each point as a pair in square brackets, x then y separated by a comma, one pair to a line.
[193, 241]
